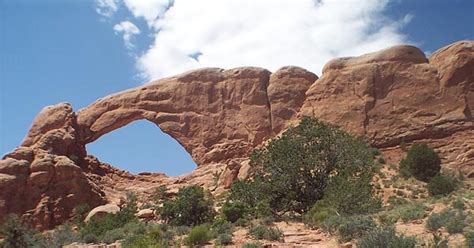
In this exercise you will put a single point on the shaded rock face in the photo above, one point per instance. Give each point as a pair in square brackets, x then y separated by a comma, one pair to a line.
[219, 116]
[42, 179]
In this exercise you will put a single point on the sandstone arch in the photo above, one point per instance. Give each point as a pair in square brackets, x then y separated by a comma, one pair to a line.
[214, 114]
[220, 115]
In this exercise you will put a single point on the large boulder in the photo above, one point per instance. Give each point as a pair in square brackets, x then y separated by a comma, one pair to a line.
[101, 211]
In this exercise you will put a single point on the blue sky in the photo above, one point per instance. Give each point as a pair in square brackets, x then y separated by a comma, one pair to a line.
[78, 51]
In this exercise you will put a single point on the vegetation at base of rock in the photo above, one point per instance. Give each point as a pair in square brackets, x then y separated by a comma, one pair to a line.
[96, 229]
[234, 211]
[318, 214]
[199, 235]
[252, 245]
[309, 162]
[385, 237]
[224, 239]
[266, 232]
[469, 236]
[453, 220]
[348, 228]
[16, 234]
[421, 162]
[192, 206]
[442, 184]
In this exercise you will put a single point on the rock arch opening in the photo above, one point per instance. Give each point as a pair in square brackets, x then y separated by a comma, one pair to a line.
[141, 146]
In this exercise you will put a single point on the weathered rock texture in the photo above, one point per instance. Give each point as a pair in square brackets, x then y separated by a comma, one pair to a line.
[219, 116]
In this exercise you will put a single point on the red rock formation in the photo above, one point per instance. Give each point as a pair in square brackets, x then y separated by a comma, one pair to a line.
[219, 116]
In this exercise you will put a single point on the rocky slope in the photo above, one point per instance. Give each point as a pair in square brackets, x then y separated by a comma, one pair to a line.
[219, 116]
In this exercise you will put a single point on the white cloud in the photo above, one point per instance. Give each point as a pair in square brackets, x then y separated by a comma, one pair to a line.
[128, 30]
[106, 7]
[265, 33]
[149, 10]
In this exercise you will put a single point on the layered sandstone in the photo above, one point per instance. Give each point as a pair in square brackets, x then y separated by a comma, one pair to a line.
[219, 116]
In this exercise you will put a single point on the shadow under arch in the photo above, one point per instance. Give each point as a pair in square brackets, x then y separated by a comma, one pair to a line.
[141, 146]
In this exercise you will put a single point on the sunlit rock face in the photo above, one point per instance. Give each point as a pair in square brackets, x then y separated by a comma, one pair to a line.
[219, 116]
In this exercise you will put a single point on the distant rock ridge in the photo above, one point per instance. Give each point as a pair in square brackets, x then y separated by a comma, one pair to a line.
[219, 116]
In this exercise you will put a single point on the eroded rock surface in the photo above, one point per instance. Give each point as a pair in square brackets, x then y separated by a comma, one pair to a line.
[219, 116]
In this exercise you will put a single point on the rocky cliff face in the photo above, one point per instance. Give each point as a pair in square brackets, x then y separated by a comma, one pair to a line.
[219, 116]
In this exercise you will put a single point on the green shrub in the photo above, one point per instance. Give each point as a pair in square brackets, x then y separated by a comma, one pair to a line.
[190, 207]
[61, 236]
[252, 245]
[442, 185]
[266, 232]
[129, 229]
[221, 226]
[233, 211]
[459, 204]
[354, 227]
[452, 220]
[224, 239]
[385, 238]
[469, 236]
[437, 220]
[318, 214]
[199, 235]
[143, 240]
[80, 213]
[16, 234]
[412, 211]
[375, 152]
[456, 224]
[94, 230]
[381, 160]
[306, 163]
[159, 194]
[422, 162]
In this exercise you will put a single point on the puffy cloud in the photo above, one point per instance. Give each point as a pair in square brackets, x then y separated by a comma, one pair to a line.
[150, 10]
[128, 30]
[106, 7]
[267, 33]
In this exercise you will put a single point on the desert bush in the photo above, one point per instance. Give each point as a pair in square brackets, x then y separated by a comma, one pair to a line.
[143, 240]
[459, 204]
[354, 227]
[456, 224]
[295, 170]
[16, 234]
[318, 214]
[422, 162]
[469, 236]
[411, 211]
[199, 235]
[452, 220]
[252, 245]
[80, 213]
[94, 230]
[159, 194]
[129, 229]
[61, 236]
[220, 226]
[437, 220]
[266, 232]
[348, 227]
[381, 160]
[190, 207]
[442, 185]
[233, 211]
[385, 238]
[224, 239]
